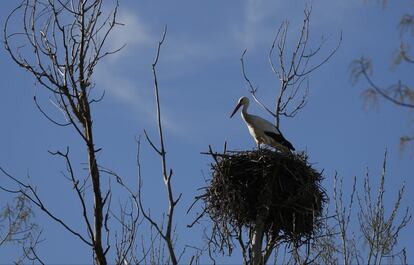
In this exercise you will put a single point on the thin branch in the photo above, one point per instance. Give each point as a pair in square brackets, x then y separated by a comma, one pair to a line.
[253, 90]
[35, 199]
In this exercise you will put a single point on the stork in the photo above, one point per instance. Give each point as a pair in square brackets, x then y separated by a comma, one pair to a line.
[261, 130]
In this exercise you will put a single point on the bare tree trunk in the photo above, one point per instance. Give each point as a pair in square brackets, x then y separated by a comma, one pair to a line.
[67, 41]
[257, 241]
[93, 165]
[98, 202]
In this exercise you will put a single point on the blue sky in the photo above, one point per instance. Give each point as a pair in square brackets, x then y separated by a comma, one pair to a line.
[200, 82]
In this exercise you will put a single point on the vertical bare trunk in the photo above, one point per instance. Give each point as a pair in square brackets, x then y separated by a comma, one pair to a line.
[93, 166]
[67, 41]
[257, 241]
[98, 203]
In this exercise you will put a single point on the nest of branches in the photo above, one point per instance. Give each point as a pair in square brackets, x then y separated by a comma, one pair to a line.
[281, 189]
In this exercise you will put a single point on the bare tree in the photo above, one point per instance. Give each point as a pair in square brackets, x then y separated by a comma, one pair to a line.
[60, 44]
[167, 232]
[381, 230]
[334, 242]
[342, 218]
[401, 92]
[292, 67]
[379, 226]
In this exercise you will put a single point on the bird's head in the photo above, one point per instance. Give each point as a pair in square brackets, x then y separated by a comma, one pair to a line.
[243, 101]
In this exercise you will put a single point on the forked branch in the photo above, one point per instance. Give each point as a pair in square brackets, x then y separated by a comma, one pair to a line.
[166, 234]
[60, 43]
[292, 69]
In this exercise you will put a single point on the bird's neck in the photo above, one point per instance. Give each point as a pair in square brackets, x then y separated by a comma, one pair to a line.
[244, 113]
[244, 109]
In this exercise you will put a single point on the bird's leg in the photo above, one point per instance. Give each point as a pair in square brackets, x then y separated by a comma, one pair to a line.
[258, 145]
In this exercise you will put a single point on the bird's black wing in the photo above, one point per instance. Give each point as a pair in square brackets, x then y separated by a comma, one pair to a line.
[280, 139]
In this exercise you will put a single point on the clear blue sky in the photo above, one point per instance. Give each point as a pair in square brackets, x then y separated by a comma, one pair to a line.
[200, 82]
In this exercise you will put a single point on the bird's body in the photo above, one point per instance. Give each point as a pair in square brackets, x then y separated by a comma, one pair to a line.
[261, 130]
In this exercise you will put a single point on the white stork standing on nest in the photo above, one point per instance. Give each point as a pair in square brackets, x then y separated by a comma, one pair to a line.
[261, 130]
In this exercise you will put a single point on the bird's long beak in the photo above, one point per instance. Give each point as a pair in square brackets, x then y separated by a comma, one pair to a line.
[236, 109]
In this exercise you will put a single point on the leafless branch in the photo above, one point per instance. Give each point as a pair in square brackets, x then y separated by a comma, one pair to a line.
[343, 218]
[379, 231]
[398, 93]
[30, 250]
[291, 72]
[60, 43]
[252, 89]
[128, 218]
[167, 234]
[29, 192]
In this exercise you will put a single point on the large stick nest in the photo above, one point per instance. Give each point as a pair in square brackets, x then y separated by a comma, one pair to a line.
[281, 189]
